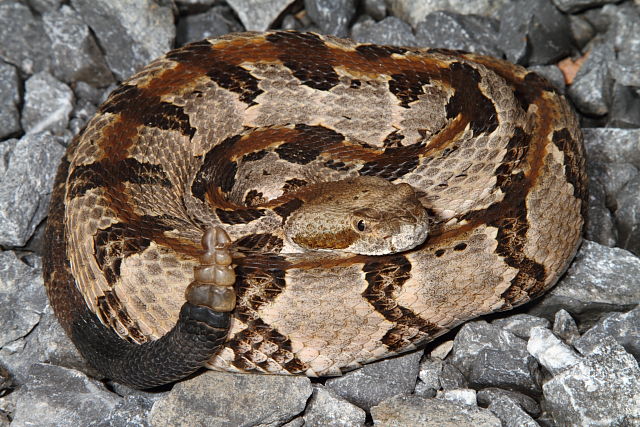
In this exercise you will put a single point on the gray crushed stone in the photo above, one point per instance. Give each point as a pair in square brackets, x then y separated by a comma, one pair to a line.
[76, 55]
[377, 381]
[609, 376]
[331, 16]
[48, 104]
[274, 399]
[600, 279]
[258, 15]
[25, 185]
[9, 100]
[23, 42]
[414, 12]
[83, 45]
[56, 396]
[408, 410]
[130, 33]
[326, 408]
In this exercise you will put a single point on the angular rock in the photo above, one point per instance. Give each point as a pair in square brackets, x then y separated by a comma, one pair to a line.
[389, 31]
[442, 350]
[332, 16]
[591, 88]
[623, 327]
[465, 396]
[414, 12]
[6, 382]
[43, 6]
[625, 108]
[627, 216]
[131, 33]
[48, 104]
[489, 395]
[130, 411]
[613, 177]
[429, 374]
[195, 6]
[492, 357]
[46, 343]
[290, 22]
[565, 327]
[84, 110]
[602, 390]
[424, 390]
[8, 405]
[215, 22]
[600, 227]
[327, 408]
[552, 74]
[451, 378]
[454, 31]
[25, 186]
[9, 100]
[272, 399]
[76, 55]
[572, 6]
[258, 15]
[22, 299]
[510, 413]
[58, 396]
[581, 30]
[600, 280]
[534, 32]
[521, 324]
[416, 410]
[377, 9]
[625, 26]
[377, 381]
[23, 43]
[615, 146]
[550, 351]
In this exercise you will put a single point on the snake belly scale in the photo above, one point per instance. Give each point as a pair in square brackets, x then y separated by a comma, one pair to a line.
[370, 198]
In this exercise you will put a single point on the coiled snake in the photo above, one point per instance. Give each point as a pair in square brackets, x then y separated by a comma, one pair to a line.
[369, 197]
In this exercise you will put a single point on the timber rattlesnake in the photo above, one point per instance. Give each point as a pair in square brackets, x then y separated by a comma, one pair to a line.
[296, 144]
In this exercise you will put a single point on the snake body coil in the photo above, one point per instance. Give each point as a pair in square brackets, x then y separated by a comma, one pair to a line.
[374, 197]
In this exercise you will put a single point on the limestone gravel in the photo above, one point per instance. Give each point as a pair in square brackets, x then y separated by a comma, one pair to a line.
[414, 12]
[76, 55]
[9, 100]
[326, 408]
[82, 401]
[214, 22]
[25, 185]
[274, 399]
[415, 410]
[332, 16]
[258, 15]
[48, 104]
[377, 381]
[609, 376]
[21, 298]
[23, 42]
[564, 327]
[131, 33]
[456, 31]
[623, 327]
[602, 281]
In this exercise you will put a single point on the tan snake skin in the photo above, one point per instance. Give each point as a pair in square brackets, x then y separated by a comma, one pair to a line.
[244, 131]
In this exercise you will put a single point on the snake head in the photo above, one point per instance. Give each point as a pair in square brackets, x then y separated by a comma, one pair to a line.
[363, 215]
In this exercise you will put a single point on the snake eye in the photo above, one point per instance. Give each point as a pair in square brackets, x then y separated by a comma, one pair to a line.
[361, 226]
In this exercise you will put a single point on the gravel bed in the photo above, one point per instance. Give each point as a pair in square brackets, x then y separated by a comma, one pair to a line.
[569, 358]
